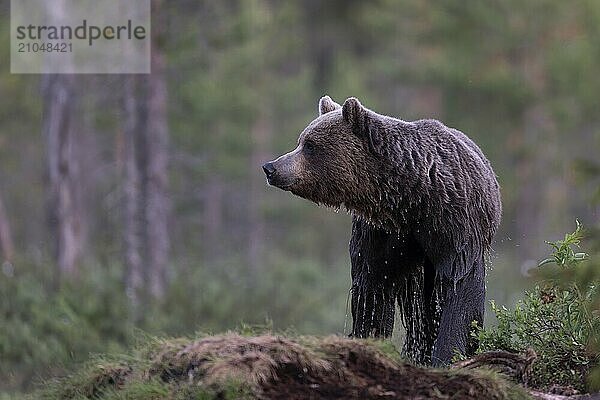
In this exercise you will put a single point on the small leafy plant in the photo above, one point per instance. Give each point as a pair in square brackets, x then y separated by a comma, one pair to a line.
[556, 319]
[564, 254]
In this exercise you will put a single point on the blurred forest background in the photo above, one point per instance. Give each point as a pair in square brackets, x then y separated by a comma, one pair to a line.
[138, 201]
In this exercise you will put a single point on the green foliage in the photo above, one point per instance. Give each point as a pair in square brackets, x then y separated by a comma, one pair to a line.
[284, 293]
[564, 254]
[556, 320]
[554, 323]
[45, 331]
[583, 279]
[42, 330]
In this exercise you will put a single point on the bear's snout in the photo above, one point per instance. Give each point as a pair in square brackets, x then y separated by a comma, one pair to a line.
[269, 169]
[278, 174]
[283, 171]
[273, 177]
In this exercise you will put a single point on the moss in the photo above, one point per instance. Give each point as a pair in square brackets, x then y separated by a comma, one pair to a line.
[504, 388]
[140, 390]
[388, 348]
[229, 390]
[233, 366]
[91, 381]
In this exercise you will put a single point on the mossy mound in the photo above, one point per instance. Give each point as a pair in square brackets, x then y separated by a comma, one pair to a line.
[232, 366]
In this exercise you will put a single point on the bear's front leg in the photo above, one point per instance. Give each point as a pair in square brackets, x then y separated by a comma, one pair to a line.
[374, 288]
[463, 303]
[373, 307]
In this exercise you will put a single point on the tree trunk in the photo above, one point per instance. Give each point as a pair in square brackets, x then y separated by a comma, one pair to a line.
[132, 186]
[147, 205]
[158, 205]
[63, 206]
[6, 243]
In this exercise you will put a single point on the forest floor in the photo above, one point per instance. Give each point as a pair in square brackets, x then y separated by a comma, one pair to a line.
[233, 366]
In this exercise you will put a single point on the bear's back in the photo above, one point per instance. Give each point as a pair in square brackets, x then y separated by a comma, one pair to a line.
[441, 133]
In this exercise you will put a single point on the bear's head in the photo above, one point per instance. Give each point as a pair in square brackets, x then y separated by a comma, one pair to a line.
[333, 163]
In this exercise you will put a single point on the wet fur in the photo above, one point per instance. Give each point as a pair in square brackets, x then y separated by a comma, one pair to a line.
[425, 205]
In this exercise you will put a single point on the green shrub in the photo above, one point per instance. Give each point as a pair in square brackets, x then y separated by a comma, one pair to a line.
[557, 319]
[45, 331]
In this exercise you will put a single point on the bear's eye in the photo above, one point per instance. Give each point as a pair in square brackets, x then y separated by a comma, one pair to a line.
[309, 147]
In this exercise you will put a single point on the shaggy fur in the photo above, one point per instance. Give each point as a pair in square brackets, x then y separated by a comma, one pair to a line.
[425, 205]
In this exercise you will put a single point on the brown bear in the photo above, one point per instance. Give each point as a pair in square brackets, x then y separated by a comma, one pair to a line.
[425, 206]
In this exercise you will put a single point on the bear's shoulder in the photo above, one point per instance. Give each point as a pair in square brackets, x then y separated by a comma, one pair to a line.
[440, 131]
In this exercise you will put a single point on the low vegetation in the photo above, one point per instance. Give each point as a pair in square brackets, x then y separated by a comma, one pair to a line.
[559, 319]
[556, 324]
[46, 331]
[234, 366]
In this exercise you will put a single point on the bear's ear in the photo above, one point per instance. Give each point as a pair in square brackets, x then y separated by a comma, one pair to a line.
[355, 114]
[327, 105]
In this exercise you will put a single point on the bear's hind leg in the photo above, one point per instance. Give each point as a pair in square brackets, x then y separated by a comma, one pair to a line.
[463, 302]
